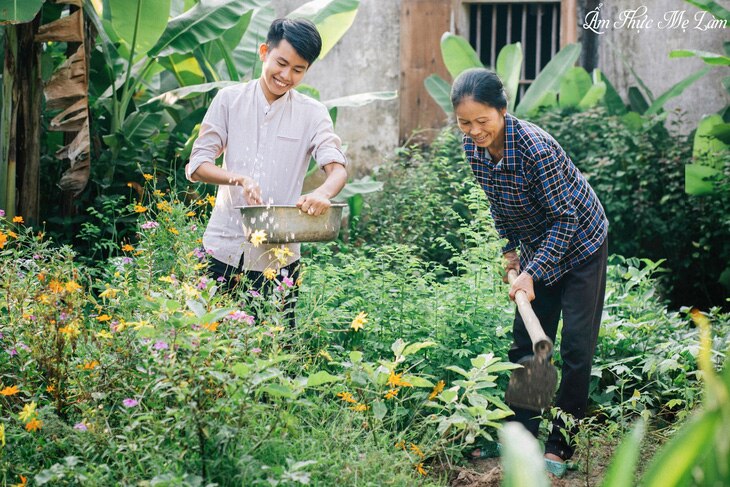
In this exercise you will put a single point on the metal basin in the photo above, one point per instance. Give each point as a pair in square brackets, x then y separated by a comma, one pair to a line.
[288, 224]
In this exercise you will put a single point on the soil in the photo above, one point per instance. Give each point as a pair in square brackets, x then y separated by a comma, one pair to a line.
[487, 472]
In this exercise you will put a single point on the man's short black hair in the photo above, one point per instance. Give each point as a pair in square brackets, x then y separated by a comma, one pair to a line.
[300, 33]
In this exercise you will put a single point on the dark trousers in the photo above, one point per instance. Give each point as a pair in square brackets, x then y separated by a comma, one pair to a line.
[235, 277]
[579, 296]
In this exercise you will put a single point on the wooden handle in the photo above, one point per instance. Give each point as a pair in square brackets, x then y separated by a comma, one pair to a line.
[541, 343]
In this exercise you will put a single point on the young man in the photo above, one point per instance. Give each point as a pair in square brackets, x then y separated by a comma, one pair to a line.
[267, 132]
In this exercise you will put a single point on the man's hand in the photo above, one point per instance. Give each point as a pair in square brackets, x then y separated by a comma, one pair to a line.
[522, 283]
[251, 190]
[511, 261]
[313, 203]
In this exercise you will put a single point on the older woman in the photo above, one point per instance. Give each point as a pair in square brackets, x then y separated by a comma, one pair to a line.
[544, 206]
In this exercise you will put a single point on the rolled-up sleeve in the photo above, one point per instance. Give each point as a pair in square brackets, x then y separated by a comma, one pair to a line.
[213, 136]
[326, 145]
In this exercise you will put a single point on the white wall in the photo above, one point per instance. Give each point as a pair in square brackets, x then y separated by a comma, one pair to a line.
[366, 59]
[647, 51]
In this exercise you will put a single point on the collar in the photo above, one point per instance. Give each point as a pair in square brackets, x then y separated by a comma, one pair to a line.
[276, 103]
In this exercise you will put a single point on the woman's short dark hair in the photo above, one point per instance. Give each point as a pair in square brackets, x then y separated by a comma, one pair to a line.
[300, 33]
[480, 84]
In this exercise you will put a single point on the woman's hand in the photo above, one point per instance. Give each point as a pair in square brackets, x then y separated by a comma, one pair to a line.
[511, 261]
[313, 203]
[522, 283]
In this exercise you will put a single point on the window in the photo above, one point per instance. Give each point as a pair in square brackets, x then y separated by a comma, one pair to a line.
[536, 25]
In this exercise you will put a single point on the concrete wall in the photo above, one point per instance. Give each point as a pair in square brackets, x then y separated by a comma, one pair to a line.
[365, 59]
[647, 50]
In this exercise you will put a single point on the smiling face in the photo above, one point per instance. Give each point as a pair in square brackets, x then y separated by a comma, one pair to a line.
[283, 69]
[483, 123]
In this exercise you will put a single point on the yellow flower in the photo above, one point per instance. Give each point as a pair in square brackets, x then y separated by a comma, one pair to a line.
[346, 396]
[325, 354]
[164, 206]
[258, 237]
[50, 388]
[210, 199]
[70, 330]
[391, 394]
[359, 321]
[158, 193]
[103, 318]
[395, 380]
[358, 408]
[18, 219]
[2, 434]
[190, 214]
[138, 325]
[414, 448]
[55, 286]
[419, 468]
[109, 292]
[10, 391]
[174, 231]
[127, 248]
[436, 390]
[148, 177]
[400, 445]
[281, 254]
[105, 334]
[12, 234]
[27, 412]
[72, 286]
[269, 273]
[34, 425]
[139, 209]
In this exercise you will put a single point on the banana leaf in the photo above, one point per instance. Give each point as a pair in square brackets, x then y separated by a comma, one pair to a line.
[675, 91]
[440, 91]
[711, 58]
[202, 23]
[139, 23]
[458, 55]
[573, 87]
[19, 11]
[548, 79]
[332, 17]
[509, 64]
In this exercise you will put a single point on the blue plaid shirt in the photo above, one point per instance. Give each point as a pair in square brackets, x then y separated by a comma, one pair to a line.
[539, 201]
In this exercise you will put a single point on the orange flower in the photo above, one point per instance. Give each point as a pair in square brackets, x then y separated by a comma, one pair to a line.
[34, 425]
[436, 390]
[104, 317]
[211, 326]
[3, 239]
[55, 286]
[42, 277]
[50, 388]
[127, 248]
[419, 468]
[358, 408]
[18, 219]
[395, 380]
[346, 396]
[10, 391]
[391, 394]
[91, 365]
[414, 448]
[23, 481]
[72, 286]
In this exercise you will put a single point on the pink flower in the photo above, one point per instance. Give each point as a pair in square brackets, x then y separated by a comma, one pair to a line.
[150, 225]
[256, 350]
[288, 281]
[160, 345]
[241, 316]
[2, 213]
[130, 403]
[81, 427]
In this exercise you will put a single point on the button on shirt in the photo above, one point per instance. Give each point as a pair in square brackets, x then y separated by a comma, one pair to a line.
[270, 143]
[539, 201]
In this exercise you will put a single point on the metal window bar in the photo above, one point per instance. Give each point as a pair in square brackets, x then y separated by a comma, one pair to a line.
[538, 24]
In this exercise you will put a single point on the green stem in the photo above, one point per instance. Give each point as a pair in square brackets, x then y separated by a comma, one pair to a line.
[230, 65]
[130, 63]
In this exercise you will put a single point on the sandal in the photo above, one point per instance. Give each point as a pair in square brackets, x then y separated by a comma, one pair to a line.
[555, 468]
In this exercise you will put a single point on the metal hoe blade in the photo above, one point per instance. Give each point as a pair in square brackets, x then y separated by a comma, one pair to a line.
[532, 387]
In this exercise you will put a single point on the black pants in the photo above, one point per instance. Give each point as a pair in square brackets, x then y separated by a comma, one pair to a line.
[579, 296]
[236, 277]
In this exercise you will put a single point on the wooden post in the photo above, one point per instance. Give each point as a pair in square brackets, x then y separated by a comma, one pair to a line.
[568, 22]
[8, 123]
[422, 22]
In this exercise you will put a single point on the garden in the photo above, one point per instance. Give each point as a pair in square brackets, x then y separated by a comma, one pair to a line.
[123, 363]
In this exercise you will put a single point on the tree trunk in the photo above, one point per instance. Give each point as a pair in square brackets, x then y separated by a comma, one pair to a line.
[29, 121]
[7, 123]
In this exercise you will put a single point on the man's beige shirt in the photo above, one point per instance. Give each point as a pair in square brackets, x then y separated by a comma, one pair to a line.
[271, 143]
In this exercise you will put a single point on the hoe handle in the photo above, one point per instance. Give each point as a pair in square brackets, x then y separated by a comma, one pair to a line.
[541, 343]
